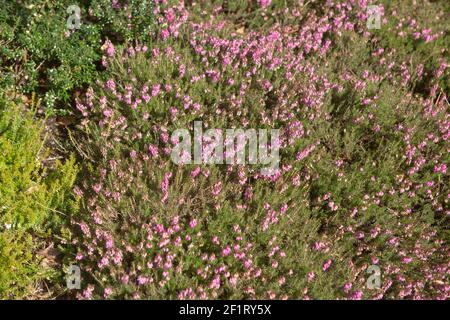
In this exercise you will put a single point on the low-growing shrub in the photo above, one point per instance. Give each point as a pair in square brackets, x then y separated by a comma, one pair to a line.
[33, 201]
[362, 182]
[362, 179]
[40, 51]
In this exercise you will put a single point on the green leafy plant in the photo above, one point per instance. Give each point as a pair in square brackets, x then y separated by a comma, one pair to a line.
[34, 200]
[40, 53]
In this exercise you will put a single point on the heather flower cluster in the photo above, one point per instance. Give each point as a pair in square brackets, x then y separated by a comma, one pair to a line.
[362, 178]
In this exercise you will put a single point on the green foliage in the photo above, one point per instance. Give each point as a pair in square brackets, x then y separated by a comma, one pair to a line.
[114, 21]
[39, 53]
[32, 199]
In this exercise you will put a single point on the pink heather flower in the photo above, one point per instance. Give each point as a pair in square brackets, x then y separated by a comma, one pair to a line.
[97, 187]
[305, 152]
[347, 287]
[296, 180]
[164, 34]
[215, 283]
[217, 188]
[85, 229]
[165, 185]
[125, 279]
[319, 245]
[406, 260]
[264, 3]
[87, 293]
[440, 168]
[109, 47]
[105, 62]
[110, 51]
[193, 223]
[108, 291]
[142, 280]
[173, 112]
[267, 85]
[311, 276]
[195, 172]
[326, 265]
[153, 150]
[115, 4]
[111, 85]
[357, 295]
[332, 206]
[182, 70]
[213, 75]
[215, 240]
[136, 296]
[146, 97]
[103, 100]
[155, 90]
[107, 113]
[109, 243]
[226, 251]
[170, 15]
[103, 262]
[131, 51]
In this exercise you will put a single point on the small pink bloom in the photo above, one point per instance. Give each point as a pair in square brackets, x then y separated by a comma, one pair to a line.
[264, 3]
[357, 295]
[326, 265]
[347, 287]
[226, 251]
[142, 280]
[164, 34]
[107, 292]
[125, 279]
[406, 260]
[193, 223]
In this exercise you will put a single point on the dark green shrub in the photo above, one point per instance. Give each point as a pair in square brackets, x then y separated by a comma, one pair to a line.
[40, 53]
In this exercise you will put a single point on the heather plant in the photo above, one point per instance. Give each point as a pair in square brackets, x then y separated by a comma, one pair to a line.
[363, 174]
[33, 201]
[362, 182]
[147, 144]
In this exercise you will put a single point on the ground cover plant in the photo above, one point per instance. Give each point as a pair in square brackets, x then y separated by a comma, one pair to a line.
[357, 208]
[32, 196]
